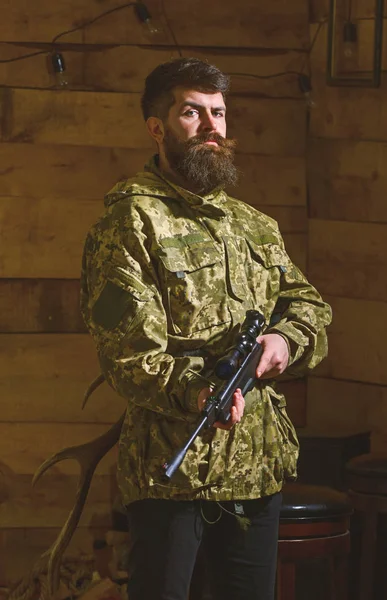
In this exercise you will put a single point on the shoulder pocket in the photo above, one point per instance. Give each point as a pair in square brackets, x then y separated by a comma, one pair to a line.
[270, 254]
[121, 291]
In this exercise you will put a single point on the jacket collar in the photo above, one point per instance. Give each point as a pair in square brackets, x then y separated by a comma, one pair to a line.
[211, 204]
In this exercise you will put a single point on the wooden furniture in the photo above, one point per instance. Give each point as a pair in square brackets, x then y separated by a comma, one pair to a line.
[367, 483]
[314, 523]
[324, 454]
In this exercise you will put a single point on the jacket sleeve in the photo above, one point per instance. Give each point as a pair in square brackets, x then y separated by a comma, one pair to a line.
[123, 309]
[301, 317]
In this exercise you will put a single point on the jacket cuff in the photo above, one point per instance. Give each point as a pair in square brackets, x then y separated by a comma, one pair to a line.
[191, 395]
[195, 386]
[296, 341]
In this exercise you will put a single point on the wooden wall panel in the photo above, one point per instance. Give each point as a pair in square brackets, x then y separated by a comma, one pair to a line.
[50, 501]
[263, 24]
[260, 129]
[103, 119]
[319, 9]
[43, 379]
[347, 180]
[40, 305]
[271, 180]
[278, 23]
[44, 238]
[365, 52]
[357, 349]
[351, 270]
[363, 405]
[42, 24]
[329, 399]
[297, 246]
[350, 113]
[66, 171]
[346, 159]
[90, 172]
[21, 547]
[291, 219]
[25, 446]
[124, 68]
[80, 118]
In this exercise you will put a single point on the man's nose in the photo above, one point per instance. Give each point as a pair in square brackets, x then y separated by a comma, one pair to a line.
[208, 122]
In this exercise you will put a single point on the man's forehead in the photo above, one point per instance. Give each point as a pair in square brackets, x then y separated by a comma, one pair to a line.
[186, 96]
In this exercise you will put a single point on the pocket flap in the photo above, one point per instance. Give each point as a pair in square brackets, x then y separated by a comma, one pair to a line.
[188, 256]
[269, 254]
[130, 283]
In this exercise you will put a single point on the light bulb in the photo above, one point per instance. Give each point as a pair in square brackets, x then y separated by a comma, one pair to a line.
[59, 67]
[349, 39]
[145, 17]
[309, 100]
[305, 84]
[151, 27]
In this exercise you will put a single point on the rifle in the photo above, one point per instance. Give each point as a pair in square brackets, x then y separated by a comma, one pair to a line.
[237, 369]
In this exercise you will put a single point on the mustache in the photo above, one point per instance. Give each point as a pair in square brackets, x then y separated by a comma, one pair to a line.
[202, 138]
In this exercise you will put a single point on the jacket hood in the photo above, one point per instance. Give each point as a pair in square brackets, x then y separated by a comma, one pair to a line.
[145, 183]
[152, 182]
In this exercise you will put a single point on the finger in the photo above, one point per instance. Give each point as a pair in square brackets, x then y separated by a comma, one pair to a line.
[239, 403]
[202, 397]
[273, 372]
[264, 364]
[234, 418]
[236, 413]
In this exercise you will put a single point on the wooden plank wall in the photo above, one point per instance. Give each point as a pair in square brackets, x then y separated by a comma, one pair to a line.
[346, 168]
[60, 151]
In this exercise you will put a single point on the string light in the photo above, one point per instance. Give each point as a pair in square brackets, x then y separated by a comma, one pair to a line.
[350, 39]
[144, 16]
[58, 63]
[59, 67]
[305, 84]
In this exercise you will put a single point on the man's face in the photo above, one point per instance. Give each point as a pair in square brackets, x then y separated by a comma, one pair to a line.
[195, 143]
[195, 112]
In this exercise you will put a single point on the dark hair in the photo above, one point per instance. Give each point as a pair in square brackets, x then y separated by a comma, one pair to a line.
[190, 73]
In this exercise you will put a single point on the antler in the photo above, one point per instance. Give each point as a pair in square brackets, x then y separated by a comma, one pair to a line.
[88, 456]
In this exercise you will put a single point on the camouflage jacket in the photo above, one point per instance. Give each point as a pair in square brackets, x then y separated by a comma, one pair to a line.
[167, 277]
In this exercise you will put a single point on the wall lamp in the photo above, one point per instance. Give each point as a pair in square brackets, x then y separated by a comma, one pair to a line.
[354, 45]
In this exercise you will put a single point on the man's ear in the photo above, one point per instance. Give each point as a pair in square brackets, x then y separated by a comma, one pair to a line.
[155, 128]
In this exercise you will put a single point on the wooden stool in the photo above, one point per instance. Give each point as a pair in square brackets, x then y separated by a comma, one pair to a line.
[367, 482]
[314, 523]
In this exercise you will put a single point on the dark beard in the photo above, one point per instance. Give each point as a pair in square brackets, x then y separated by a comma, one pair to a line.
[203, 167]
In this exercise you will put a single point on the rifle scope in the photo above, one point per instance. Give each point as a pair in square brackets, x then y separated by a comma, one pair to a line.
[228, 365]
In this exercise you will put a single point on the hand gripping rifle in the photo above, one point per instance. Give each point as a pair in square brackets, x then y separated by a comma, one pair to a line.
[237, 369]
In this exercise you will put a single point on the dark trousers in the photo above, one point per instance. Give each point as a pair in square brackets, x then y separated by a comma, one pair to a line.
[165, 536]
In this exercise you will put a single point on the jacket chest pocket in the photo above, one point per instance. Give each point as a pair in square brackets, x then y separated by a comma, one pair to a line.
[194, 281]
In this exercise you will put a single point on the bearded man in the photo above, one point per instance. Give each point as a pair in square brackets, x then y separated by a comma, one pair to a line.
[169, 272]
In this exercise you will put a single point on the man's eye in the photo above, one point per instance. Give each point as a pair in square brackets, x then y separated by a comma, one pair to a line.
[219, 113]
[190, 113]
